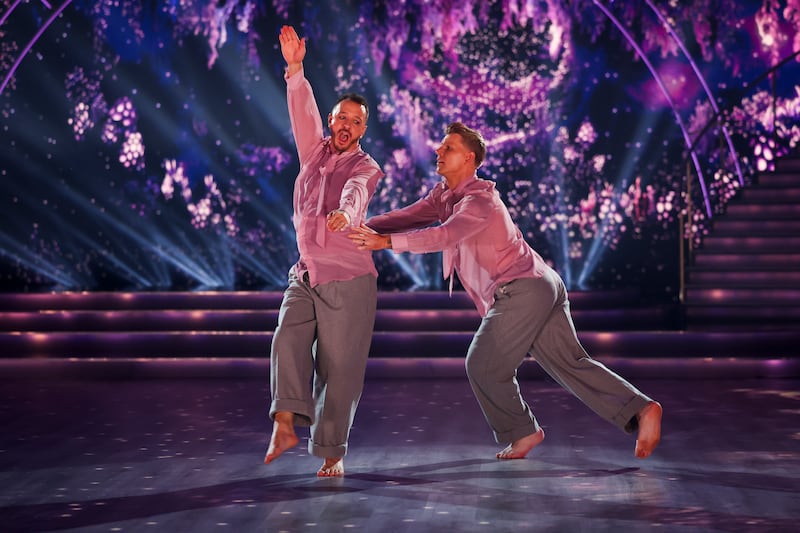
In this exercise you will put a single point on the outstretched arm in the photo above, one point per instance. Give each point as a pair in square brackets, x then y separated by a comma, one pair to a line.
[469, 217]
[293, 49]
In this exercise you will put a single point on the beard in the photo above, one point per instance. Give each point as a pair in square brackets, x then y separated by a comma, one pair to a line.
[343, 141]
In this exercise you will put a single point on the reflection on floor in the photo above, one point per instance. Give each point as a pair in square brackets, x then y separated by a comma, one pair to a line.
[186, 455]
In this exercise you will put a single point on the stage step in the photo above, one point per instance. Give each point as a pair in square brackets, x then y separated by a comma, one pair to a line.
[789, 164]
[266, 320]
[726, 225]
[733, 317]
[254, 311]
[111, 301]
[769, 243]
[740, 295]
[772, 193]
[762, 211]
[716, 277]
[115, 326]
[734, 260]
[386, 344]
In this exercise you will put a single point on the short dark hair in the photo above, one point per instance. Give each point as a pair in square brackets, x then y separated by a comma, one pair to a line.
[353, 97]
[472, 139]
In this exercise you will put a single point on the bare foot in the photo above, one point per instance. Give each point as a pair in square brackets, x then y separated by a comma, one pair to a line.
[649, 429]
[332, 467]
[283, 436]
[520, 447]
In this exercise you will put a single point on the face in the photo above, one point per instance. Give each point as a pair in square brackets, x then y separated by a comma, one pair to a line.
[347, 122]
[453, 159]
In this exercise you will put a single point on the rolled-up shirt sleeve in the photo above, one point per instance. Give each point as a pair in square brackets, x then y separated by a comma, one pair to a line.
[356, 192]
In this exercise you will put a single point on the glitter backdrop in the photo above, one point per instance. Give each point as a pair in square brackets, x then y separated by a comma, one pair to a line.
[146, 145]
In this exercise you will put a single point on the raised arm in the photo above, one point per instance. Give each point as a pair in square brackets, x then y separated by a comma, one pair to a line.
[303, 111]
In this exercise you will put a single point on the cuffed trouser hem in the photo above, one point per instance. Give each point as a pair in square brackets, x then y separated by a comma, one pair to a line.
[626, 418]
[507, 437]
[300, 409]
[326, 451]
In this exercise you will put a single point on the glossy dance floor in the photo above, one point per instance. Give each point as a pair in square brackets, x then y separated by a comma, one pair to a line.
[186, 455]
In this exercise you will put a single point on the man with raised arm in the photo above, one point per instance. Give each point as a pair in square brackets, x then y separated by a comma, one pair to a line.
[320, 347]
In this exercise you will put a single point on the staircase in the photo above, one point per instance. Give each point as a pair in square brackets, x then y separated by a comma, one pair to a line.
[746, 276]
[240, 324]
[417, 334]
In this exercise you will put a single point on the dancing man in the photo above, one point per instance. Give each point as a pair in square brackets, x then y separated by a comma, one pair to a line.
[320, 347]
[522, 301]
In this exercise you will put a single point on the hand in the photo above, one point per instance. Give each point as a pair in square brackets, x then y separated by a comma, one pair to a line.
[337, 220]
[293, 48]
[365, 238]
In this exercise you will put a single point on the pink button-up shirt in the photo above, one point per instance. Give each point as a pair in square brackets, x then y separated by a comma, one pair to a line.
[328, 180]
[477, 236]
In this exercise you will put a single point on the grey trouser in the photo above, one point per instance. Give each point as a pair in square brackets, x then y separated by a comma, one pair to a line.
[319, 357]
[532, 315]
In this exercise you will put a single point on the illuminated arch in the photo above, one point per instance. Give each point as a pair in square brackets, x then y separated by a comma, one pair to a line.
[33, 40]
[667, 96]
[703, 82]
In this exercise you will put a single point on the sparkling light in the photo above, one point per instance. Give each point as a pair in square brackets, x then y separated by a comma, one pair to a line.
[152, 149]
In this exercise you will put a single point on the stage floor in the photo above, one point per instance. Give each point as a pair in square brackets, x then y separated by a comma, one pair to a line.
[186, 455]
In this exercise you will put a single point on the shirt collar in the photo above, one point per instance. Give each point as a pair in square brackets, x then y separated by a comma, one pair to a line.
[461, 186]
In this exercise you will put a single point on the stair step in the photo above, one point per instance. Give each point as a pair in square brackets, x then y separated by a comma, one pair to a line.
[189, 321]
[224, 325]
[744, 317]
[48, 301]
[780, 178]
[750, 296]
[725, 225]
[732, 260]
[394, 344]
[192, 321]
[205, 301]
[759, 211]
[788, 164]
[219, 321]
[749, 244]
[777, 317]
[759, 195]
[763, 278]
